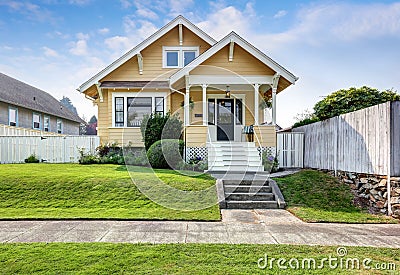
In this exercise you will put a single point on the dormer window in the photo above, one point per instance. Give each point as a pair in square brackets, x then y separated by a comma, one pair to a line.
[178, 57]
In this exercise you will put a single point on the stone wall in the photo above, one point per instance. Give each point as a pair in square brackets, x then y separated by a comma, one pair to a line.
[370, 191]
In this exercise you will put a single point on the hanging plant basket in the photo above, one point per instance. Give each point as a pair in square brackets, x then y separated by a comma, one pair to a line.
[191, 103]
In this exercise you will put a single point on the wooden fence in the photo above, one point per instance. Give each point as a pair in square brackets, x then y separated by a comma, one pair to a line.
[290, 149]
[6, 130]
[364, 141]
[52, 149]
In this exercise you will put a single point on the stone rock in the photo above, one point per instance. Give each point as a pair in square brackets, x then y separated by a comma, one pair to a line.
[368, 186]
[396, 179]
[373, 192]
[364, 180]
[395, 200]
[359, 184]
[351, 176]
[347, 181]
[397, 190]
[383, 211]
[372, 198]
[374, 179]
[380, 204]
[382, 183]
[353, 186]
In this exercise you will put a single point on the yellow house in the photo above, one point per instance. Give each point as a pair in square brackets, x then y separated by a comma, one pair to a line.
[216, 87]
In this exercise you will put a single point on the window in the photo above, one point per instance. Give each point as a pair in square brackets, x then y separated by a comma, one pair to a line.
[159, 105]
[172, 58]
[138, 107]
[188, 56]
[36, 121]
[119, 112]
[46, 124]
[178, 57]
[59, 126]
[239, 112]
[211, 111]
[12, 116]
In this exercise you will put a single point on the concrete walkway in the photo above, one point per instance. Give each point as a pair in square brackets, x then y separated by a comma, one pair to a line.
[238, 226]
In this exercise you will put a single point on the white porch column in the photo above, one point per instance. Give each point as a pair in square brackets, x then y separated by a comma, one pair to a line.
[186, 107]
[274, 106]
[256, 104]
[205, 111]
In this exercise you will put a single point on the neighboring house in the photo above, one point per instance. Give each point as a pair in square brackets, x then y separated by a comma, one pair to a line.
[180, 65]
[25, 107]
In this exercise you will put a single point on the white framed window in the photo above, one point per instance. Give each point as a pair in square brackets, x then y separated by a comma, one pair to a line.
[46, 123]
[36, 121]
[59, 126]
[137, 106]
[178, 57]
[12, 116]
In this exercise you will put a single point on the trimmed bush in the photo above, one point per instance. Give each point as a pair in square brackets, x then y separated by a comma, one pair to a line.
[155, 127]
[32, 159]
[166, 153]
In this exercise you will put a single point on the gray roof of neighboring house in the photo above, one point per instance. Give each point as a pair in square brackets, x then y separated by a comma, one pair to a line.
[20, 94]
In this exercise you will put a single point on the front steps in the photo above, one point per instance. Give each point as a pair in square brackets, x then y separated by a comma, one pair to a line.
[242, 193]
[234, 156]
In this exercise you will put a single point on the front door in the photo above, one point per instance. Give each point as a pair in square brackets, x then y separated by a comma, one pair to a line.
[225, 119]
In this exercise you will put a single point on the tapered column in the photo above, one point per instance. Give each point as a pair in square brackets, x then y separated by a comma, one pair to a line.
[205, 111]
[274, 106]
[186, 107]
[256, 104]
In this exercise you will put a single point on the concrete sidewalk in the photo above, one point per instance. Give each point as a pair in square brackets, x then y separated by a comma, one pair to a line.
[238, 226]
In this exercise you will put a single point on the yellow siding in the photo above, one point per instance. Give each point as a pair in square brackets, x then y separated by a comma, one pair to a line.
[104, 118]
[196, 136]
[176, 101]
[266, 136]
[243, 63]
[152, 58]
[124, 136]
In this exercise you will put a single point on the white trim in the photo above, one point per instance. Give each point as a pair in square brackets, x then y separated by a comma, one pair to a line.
[62, 125]
[256, 104]
[140, 62]
[44, 123]
[233, 37]
[198, 80]
[16, 115]
[181, 51]
[151, 39]
[125, 95]
[33, 120]
[231, 48]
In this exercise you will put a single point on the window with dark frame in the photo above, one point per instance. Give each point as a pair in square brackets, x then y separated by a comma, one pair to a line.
[159, 105]
[239, 112]
[12, 116]
[211, 112]
[137, 108]
[119, 112]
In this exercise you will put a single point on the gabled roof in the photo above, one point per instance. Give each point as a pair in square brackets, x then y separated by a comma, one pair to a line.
[151, 39]
[15, 92]
[234, 37]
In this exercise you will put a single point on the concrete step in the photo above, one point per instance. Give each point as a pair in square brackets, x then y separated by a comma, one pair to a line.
[246, 189]
[251, 205]
[247, 182]
[234, 168]
[260, 196]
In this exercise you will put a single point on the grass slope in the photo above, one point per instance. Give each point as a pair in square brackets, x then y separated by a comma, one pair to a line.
[314, 196]
[95, 258]
[65, 191]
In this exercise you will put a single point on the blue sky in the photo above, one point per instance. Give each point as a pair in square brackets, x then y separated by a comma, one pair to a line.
[57, 45]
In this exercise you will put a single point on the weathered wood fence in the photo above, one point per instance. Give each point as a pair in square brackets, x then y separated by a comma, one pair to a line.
[52, 149]
[364, 141]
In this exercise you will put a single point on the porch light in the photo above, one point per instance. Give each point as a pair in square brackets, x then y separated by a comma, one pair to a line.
[228, 93]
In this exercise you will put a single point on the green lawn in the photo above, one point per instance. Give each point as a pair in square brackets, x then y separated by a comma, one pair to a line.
[95, 258]
[314, 196]
[72, 191]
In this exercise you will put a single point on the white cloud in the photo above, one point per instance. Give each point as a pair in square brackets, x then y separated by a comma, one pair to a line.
[50, 52]
[280, 14]
[82, 36]
[103, 31]
[79, 2]
[126, 4]
[146, 13]
[79, 48]
[30, 11]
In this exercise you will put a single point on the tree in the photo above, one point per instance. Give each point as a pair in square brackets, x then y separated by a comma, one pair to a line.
[93, 119]
[304, 118]
[345, 101]
[66, 102]
[353, 99]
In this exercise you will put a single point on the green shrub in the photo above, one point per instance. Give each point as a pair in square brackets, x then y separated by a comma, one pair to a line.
[155, 127]
[32, 159]
[270, 162]
[138, 158]
[195, 164]
[166, 153]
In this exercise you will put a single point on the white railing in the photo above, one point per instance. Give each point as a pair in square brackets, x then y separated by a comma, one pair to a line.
[52, 149]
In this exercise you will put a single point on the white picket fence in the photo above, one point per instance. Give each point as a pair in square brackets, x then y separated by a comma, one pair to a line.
[290, 149]
[52, 149]
[6, 130]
